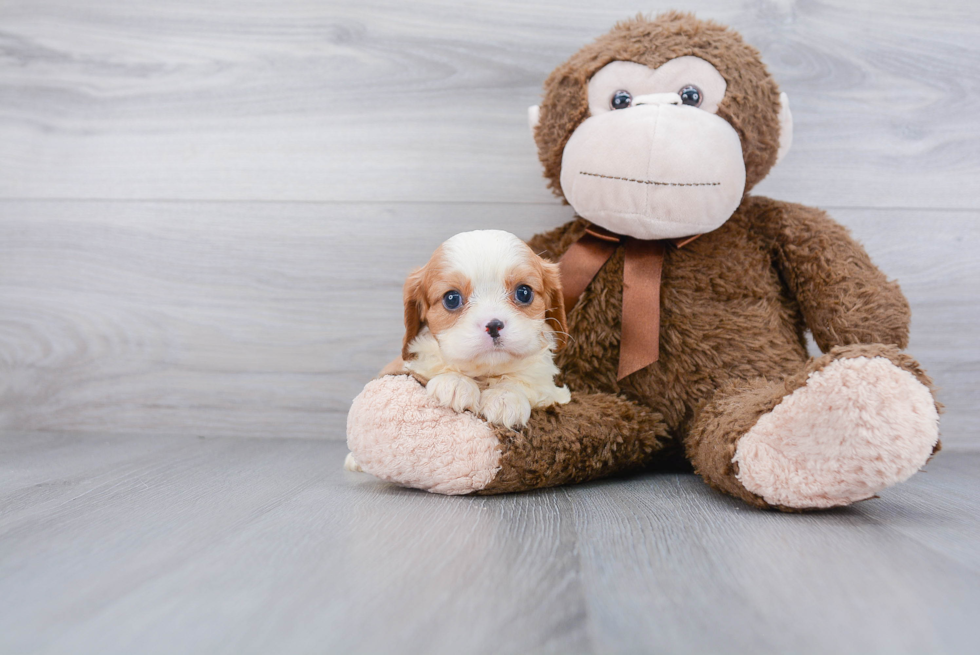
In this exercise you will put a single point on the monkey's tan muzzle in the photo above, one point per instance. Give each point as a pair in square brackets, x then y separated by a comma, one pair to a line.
[656, 170]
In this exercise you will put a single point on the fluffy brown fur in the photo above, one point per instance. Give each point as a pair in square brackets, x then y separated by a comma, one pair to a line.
[577, 442]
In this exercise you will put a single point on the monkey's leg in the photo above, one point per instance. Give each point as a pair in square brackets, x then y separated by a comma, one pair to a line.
[399, 434]
[851, 423]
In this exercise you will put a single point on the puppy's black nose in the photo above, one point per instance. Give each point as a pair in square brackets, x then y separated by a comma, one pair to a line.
[494, 327]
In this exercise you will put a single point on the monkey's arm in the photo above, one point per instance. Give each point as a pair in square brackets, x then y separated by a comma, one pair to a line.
[398, 433]
[844, 297]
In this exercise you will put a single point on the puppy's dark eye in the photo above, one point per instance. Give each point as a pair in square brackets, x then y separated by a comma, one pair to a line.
[621, 100]
[691, 95]
[452, 300]
[523, 295]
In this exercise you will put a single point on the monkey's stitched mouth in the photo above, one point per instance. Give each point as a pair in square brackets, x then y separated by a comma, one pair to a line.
[653, 182]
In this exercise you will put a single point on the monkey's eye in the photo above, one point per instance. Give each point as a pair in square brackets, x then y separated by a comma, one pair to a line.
[621, 100]
[452, 300]
[691, 95]
[523, 295]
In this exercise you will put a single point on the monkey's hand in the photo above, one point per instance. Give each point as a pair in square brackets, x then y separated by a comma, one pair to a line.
[399, 432]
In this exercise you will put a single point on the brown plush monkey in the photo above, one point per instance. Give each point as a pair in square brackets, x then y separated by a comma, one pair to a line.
[688, 302]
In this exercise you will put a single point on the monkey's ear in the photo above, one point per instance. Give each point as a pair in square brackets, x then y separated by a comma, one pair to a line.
[785, 127]
[533, 117]
[414, 301]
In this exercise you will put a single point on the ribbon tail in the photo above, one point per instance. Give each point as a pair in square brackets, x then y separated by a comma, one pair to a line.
[640, 337]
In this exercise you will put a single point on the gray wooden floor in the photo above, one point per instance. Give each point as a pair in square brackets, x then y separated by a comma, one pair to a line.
[188, 545]
[207, 211]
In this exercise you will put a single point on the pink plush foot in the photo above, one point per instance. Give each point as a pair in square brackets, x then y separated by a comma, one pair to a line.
[396, 432]
[857, 426]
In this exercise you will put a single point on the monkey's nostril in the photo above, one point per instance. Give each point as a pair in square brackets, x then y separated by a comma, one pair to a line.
[494, 327]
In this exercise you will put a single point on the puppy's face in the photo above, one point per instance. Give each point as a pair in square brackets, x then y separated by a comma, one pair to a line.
[487, 299]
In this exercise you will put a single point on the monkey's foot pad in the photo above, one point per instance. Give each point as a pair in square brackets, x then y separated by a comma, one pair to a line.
[858, 426]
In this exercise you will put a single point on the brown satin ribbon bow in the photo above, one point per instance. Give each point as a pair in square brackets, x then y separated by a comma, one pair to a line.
[639, 344]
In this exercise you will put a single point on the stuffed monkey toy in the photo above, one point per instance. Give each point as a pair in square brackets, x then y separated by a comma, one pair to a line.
[688, 301]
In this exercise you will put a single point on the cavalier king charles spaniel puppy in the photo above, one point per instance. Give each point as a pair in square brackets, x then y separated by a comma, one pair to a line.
[482, 321]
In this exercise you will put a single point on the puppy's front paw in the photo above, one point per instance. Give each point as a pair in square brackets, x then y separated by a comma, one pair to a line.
[505, 406]
[454, 390]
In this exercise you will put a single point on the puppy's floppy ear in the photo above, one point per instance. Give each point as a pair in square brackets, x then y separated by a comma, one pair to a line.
[555, 312]
[414, 306]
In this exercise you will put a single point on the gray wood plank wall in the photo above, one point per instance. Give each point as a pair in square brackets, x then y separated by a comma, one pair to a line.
[207, 208]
